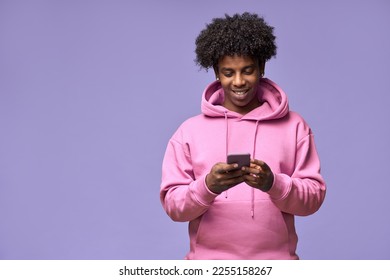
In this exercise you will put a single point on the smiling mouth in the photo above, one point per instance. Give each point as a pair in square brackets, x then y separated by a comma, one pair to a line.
[240, 92]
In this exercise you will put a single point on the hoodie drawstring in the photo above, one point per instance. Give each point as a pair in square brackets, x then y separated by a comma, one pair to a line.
[226, 142]
[254, 156]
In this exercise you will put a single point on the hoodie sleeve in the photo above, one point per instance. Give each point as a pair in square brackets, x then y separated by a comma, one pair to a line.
[183, 197]
[303, 192]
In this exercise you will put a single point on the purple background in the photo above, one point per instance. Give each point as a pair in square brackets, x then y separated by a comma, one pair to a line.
[91, 91]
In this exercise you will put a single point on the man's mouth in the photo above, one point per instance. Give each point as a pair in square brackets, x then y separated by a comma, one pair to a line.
[240, 92]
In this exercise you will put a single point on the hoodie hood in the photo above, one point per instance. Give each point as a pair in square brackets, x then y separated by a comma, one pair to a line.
[274, 102]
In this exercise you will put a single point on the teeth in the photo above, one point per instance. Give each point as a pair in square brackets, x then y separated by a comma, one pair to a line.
[240, 92]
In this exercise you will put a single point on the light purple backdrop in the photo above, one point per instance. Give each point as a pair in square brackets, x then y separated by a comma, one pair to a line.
[91, 91]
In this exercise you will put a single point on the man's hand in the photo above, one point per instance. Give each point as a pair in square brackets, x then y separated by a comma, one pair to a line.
[259, 175]
[223, 176]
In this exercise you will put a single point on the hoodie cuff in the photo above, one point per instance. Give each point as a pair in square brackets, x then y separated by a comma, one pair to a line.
[202, 192]
[280, 187]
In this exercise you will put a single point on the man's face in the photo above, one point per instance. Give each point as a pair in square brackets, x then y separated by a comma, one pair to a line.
[239, 77]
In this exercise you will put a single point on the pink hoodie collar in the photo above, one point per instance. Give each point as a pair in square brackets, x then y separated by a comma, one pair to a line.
[275, 104]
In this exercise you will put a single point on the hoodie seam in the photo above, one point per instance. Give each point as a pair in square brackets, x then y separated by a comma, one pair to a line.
[181, 145]
[304, 137]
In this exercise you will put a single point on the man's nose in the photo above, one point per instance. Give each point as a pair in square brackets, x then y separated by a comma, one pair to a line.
[238, 81]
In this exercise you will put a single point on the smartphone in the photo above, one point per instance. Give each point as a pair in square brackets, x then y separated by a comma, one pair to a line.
[240, 159]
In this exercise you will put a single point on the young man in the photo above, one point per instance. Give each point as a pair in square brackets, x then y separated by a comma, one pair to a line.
[247, 212]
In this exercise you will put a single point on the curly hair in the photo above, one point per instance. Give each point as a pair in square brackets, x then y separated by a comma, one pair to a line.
[246, 34]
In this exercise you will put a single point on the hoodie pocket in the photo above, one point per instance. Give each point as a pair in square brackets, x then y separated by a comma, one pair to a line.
[227, 230]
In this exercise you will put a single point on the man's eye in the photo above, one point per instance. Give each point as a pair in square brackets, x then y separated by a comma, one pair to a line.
[248, 72]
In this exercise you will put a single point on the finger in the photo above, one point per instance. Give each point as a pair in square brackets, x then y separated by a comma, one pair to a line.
[232, 181]
[221, 167]
[222, 176]
[251, 180]
[235, 173]
[228, 168]
[257, 162]
[261, 165]
[253, 169]
[254, 181]
[228, 180]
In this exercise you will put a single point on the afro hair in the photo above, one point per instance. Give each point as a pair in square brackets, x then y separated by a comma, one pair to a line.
[246, 34]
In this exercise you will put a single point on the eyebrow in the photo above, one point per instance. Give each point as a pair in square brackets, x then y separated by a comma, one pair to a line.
[243, 68]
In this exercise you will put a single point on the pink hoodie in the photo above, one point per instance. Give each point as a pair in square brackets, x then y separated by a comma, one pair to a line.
[243, 222]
